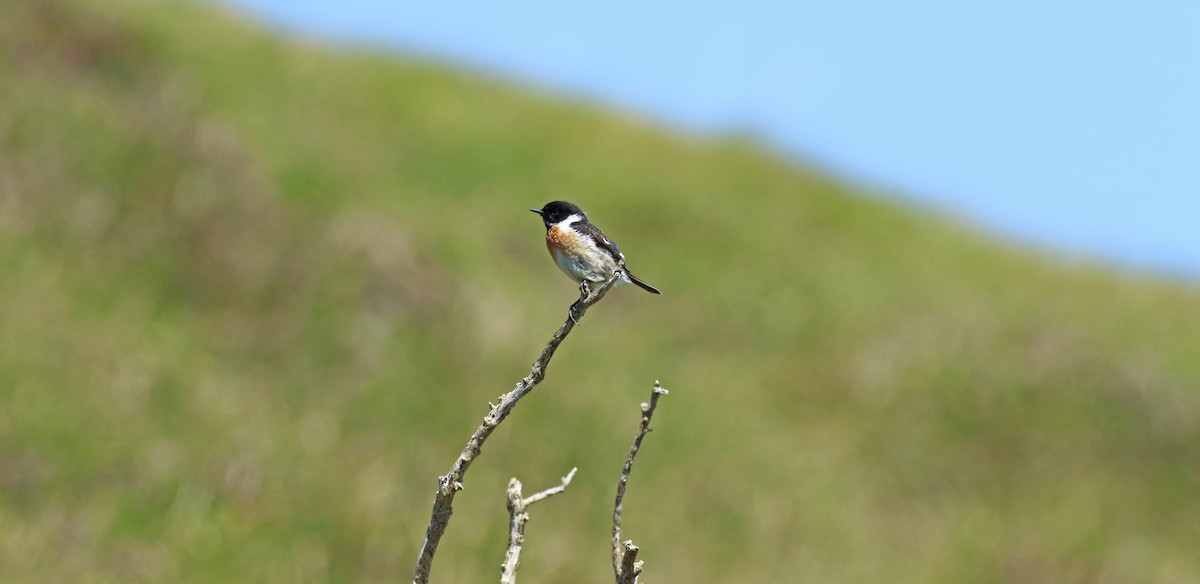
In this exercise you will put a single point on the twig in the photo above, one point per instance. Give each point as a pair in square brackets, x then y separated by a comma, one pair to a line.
[534, 498]
[624, 556]
[517, 517]
[630, 567]
[451, 483]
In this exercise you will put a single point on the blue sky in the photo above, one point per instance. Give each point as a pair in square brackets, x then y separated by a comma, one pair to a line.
[1072, 124]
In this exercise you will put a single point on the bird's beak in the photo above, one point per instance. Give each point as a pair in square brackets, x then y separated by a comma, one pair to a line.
[538, 211]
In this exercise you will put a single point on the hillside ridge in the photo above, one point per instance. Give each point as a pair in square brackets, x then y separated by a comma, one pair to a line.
[260, 289]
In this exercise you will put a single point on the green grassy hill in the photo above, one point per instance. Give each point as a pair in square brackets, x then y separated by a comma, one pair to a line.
[257, 293]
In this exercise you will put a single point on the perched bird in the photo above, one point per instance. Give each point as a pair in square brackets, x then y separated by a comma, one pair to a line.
[581, 250]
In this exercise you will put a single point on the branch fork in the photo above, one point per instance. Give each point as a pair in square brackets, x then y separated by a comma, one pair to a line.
[452, 482]
[517, 517]
[624, 555]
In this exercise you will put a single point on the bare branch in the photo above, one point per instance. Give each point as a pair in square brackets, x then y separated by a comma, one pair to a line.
[451, 483]
[566, 481]
[630, 567]
[623, 556]
[517, 517]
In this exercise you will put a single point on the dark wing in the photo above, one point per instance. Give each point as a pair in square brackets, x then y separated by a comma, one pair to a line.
[593, 232]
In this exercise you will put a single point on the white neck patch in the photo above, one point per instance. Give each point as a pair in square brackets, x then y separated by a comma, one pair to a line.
[571, 220]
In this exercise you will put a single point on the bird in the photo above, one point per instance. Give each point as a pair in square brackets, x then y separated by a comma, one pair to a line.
[581, 250]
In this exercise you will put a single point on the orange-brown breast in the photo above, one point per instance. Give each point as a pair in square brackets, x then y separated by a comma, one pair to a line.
[563, 239]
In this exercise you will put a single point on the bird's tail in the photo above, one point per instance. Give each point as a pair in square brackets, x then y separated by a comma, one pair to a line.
[641, 284]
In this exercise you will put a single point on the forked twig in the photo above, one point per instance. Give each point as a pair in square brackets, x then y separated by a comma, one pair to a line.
[451, 483]
[630, 567]
[518, 515]
[624, 556]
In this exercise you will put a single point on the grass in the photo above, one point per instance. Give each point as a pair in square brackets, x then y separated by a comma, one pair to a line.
[258, 291]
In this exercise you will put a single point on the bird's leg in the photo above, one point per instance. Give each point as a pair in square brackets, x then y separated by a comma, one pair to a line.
[584, 292]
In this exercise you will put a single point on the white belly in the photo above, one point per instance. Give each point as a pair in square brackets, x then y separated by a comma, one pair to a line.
[590, 265]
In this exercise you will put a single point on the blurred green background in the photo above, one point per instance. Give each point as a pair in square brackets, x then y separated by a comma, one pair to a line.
[257, 293]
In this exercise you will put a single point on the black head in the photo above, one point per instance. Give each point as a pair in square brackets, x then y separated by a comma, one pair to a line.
[556, 211]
